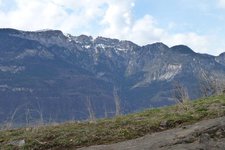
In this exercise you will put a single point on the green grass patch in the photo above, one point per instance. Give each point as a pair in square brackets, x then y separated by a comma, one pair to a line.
[106, 131]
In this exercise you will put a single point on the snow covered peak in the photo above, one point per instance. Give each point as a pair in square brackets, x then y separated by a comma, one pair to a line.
[84, 39]
[106, 41]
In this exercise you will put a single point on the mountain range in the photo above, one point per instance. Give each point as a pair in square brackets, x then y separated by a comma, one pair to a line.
[55, 77]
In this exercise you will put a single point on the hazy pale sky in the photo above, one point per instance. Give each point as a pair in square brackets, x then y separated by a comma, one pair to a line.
[200, 24]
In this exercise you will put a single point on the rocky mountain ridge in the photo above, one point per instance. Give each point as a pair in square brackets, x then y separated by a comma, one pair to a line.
[55, 75]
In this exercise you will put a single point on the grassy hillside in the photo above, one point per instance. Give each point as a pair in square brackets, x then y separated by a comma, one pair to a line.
[105, 131]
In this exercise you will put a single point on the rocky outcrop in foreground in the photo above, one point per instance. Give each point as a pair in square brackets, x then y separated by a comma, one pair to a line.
[204, 135]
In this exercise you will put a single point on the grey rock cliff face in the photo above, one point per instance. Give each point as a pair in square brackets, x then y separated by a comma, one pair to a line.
[55, 73]
[221, 58]
[205, 135]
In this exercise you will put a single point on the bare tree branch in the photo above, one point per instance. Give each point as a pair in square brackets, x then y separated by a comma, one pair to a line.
[117, 101]
[180, 93]
[90, 109]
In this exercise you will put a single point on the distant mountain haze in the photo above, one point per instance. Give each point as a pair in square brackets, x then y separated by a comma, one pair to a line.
[50, 76]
